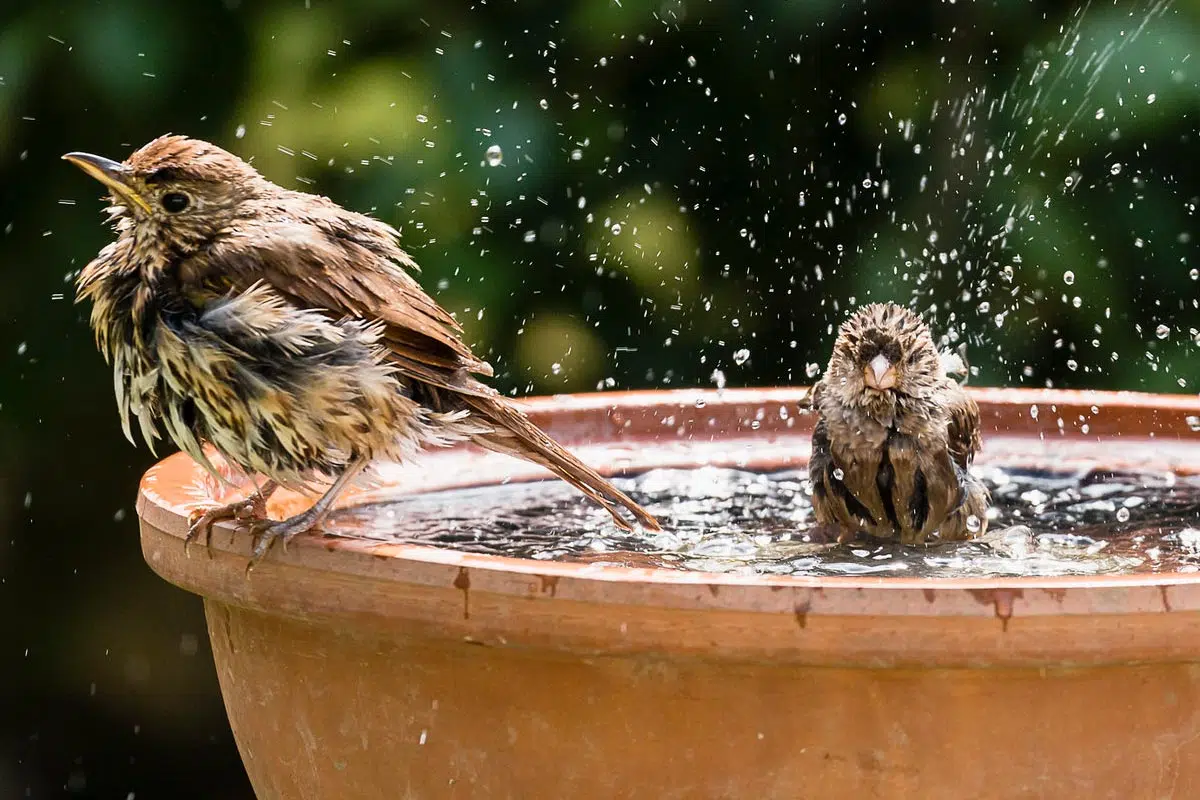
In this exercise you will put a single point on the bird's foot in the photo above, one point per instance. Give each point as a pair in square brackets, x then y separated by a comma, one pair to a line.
[200, 522]
[824, 533]
[266, 532]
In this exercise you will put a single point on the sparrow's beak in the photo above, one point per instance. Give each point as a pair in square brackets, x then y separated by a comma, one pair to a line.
[879, 373]
[112, 174]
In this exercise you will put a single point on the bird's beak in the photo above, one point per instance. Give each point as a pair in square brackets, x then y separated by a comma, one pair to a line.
[879, 373]
[112, 174]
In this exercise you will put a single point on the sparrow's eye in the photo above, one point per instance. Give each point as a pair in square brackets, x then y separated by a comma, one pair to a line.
[174, 202]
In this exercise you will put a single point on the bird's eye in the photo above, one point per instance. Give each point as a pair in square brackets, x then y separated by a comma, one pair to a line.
[174, 202]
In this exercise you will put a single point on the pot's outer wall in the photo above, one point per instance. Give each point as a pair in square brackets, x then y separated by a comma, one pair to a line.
[357, 670]
[323, 713]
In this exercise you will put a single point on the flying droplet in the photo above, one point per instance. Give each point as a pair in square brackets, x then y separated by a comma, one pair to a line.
[973, 523]
[1162, 331]
[838, 473]
[494, 156]
[1068, 277]
[1122, 515]
[741, 356]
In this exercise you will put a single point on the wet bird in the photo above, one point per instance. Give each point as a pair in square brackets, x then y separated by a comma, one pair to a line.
[895, 436]
[287, 333]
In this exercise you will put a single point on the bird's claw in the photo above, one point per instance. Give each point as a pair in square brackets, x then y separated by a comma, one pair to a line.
[266, 532]
[200, 521]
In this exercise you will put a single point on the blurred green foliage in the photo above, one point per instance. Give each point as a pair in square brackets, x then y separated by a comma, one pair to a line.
[679, 180]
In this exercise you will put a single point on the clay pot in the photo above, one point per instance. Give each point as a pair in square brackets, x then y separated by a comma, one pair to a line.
[353, 669]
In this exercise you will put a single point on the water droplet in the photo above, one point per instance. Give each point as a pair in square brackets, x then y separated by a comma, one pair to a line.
[530, 236]
[837, 473]
[741, 356]
[1033, 411]
[811, 369]
[691, 61]
[1162, 331]
[422, 118]
[616, 229]
[1151, 98]
[1115, 169]
[700, 402]
[973, 523]
[543, 104]
[1194, 274]
[240, 132]
[1069, 278]
[1193, 423]
[556, 368]
[494, 155]
[576, 154]
[841, 118]
[1099, 113]
[1122, 515]
[718, 378]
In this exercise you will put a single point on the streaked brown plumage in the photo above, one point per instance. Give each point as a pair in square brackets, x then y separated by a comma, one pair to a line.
[286, 332]
[895, 435]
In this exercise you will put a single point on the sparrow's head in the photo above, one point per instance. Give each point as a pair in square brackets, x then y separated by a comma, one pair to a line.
[883, 351]
[180, 191]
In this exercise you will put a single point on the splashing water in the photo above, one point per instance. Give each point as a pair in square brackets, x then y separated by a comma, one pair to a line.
[735, 521]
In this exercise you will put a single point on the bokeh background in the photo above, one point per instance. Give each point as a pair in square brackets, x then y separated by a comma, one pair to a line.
[609, 195]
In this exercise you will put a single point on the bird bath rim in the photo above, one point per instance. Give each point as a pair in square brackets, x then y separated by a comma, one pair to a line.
[329, 577]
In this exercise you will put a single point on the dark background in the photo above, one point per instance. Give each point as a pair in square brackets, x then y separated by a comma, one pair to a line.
[679, 181]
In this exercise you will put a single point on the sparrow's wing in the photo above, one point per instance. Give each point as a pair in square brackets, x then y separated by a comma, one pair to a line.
[962, 432]
[348, 265]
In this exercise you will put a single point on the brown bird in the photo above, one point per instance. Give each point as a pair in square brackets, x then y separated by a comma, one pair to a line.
[286, 332]
[894, 436]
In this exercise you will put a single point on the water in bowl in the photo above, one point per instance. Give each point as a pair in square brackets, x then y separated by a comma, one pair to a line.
[1042, 523]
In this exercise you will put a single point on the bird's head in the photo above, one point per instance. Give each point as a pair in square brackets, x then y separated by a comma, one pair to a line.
[884, 351]
[178, 190]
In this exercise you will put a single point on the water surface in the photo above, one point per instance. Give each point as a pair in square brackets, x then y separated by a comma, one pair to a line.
[736, 521]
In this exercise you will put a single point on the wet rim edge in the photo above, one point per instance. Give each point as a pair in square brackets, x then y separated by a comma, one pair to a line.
[410, 563]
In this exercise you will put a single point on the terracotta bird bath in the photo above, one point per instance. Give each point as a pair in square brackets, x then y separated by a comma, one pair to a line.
[357, 669]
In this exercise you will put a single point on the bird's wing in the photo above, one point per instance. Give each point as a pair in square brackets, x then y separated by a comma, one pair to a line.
[351, 266]
[962, 431]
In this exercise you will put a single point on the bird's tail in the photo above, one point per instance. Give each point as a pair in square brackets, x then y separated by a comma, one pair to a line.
[516, 436]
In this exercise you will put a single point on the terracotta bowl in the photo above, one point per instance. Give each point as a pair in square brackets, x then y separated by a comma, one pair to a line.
[355, 669]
